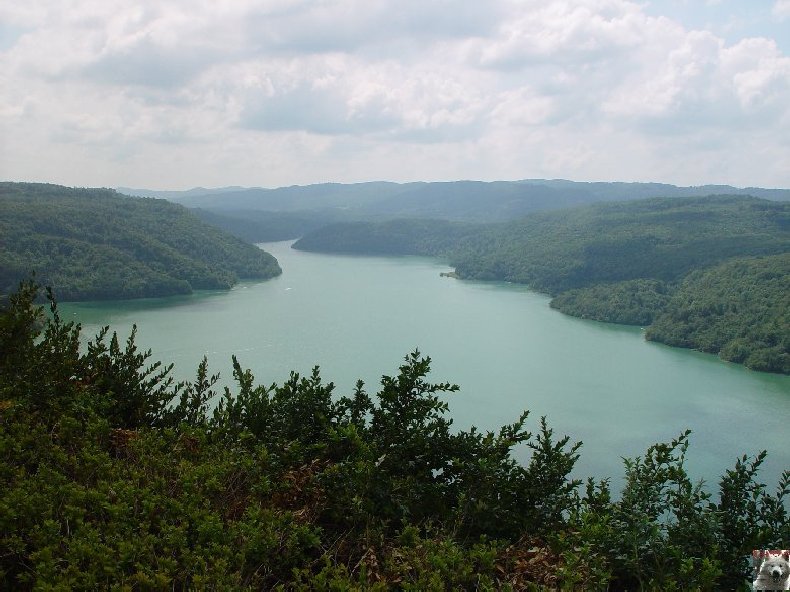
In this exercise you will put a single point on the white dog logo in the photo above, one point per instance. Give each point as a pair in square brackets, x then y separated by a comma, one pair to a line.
[771, 570]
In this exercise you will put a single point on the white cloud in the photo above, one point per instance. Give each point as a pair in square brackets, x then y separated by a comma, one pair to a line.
[557, 32]
[683, 73]
[760, 74]
[177, 93]
[781, 9]
[343, 95]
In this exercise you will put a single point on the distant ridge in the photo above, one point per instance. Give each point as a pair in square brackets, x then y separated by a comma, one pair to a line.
[456, 200]
[195, 191]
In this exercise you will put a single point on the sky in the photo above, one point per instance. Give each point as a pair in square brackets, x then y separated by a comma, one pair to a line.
[174, 94]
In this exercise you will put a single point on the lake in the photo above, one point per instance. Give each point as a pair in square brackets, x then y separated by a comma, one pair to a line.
[357, 317]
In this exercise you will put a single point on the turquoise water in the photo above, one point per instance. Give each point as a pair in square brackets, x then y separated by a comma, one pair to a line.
[357, 317]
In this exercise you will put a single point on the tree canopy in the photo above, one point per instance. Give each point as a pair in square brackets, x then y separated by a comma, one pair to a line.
[661, 239]
[739, 309]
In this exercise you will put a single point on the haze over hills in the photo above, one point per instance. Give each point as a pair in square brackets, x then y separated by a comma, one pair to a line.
[450, 199]
[312, 206]
[194, 192]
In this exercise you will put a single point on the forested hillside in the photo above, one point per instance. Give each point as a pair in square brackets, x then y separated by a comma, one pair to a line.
[739, 310]
[391, 237]
[616, 261]
[95, 244]
[631, 302]
[660, 239]
[113, 477]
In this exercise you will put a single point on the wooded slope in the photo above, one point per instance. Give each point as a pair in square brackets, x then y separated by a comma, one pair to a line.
[739, 309]
[95, 244]
[660, 239]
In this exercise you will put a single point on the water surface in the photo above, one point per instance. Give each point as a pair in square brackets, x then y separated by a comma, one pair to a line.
[357, 317]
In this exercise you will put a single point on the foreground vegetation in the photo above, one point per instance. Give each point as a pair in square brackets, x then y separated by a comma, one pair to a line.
[623, 262]
[112, 476]
[93, 244]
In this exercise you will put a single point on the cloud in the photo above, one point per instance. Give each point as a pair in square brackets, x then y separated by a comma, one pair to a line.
[561, 32]
[781, 9]
[344, 95]
[760, 75]
[145, 64]
[349, 25]
[376, 89]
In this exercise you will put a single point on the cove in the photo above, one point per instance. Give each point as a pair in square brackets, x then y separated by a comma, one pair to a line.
[357, 317]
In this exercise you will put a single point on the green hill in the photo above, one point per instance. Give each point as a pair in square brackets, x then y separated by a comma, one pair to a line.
[96, 244]
[391, 237]
[661, 239]
[631, 302]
